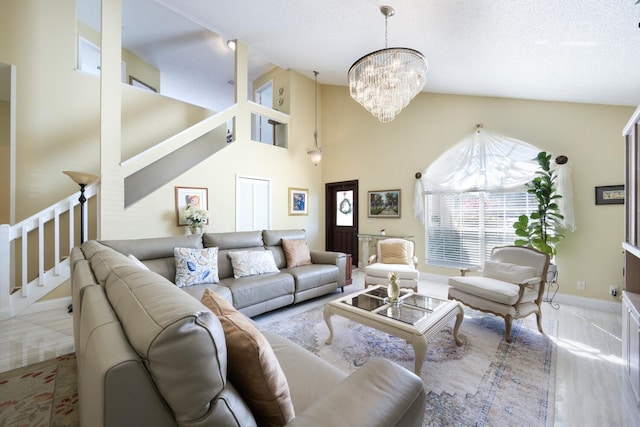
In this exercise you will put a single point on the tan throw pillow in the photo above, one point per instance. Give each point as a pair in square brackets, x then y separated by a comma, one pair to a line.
[394, 253]
[252, 365]
[296, 252]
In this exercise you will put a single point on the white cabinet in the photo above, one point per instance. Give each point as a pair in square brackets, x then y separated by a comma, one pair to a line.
[631, 341]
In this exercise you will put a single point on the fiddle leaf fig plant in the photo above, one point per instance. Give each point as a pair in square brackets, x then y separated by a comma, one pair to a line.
[542, 229]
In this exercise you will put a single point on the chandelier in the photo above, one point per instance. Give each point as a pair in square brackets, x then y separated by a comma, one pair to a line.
[316, 152]
[386, 80]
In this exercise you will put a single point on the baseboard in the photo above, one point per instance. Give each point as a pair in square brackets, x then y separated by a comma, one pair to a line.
[53, 304]
[597, 304]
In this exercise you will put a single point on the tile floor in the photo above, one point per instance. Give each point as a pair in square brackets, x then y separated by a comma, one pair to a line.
[591, 389]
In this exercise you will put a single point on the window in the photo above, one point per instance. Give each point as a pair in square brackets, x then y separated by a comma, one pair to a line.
[462, 228]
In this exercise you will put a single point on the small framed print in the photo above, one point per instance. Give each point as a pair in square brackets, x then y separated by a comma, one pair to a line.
[196, 197]
[298, 201]
[610, 195]
[384, 204]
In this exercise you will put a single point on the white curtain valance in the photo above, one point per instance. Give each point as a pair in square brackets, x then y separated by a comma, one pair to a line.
[487, 161]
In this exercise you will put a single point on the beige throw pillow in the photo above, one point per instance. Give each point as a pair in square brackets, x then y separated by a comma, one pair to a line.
[394, 253]
[252, 365]
[296, 252]
[251, 263]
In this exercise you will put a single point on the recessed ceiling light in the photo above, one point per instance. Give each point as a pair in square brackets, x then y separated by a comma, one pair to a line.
[231, 44]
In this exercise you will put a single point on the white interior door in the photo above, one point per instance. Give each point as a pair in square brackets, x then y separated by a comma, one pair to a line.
[253, 203]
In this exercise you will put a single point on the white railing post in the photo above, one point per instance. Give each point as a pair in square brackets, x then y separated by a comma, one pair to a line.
[5, 271]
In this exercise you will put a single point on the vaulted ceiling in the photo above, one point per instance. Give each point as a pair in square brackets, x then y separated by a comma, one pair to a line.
[577, 51]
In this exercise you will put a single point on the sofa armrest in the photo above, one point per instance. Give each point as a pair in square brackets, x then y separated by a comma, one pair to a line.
[372, 259]
[333, 258]
[380, 393]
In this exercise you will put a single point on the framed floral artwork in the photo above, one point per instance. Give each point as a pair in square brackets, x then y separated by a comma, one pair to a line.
[192, 197]
[384, 204]
[298, 201]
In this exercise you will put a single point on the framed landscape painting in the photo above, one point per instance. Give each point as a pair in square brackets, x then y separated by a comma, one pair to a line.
[384, 204]
[298, 201]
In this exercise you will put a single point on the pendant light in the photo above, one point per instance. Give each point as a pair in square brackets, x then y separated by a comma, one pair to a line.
[315, 153]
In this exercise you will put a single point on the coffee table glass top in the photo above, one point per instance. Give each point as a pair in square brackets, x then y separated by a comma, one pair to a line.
[411, 309]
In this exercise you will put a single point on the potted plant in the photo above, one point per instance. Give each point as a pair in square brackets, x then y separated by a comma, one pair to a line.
[542, 229]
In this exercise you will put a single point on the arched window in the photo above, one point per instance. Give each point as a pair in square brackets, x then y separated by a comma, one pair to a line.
[473, 194]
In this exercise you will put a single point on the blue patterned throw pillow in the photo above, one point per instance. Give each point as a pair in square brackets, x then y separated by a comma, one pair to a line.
[196, 266]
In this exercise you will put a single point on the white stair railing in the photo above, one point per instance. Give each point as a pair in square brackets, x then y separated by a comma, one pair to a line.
[14, 278]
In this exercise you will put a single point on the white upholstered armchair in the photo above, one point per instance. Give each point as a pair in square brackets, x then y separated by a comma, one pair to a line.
[393, 255]
[511, 285]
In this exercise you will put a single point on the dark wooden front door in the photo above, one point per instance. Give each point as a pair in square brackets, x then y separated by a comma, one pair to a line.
[342, 218]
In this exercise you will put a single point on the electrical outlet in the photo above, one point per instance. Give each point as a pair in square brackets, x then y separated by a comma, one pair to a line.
[582, 285]
[613, 290]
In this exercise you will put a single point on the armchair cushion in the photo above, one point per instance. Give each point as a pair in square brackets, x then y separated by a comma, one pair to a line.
[381, 270]
[493, 289]
[509, 272]
[394, 253]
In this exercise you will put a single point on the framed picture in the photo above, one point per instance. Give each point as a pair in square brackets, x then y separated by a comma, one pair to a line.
[139, 84]
[197, 197]
[610, 195]
[384, 204]
[298, 201]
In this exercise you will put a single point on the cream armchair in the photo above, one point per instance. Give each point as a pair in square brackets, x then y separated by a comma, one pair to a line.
[393, 255]
[511, 285]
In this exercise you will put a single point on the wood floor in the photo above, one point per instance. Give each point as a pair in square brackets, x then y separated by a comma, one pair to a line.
[591, 389]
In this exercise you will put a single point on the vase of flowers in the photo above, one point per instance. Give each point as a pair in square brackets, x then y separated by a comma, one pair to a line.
[393, 289]
[197, 219]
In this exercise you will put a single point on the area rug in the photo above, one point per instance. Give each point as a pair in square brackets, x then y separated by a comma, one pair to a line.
[44, 394]
[484, 382]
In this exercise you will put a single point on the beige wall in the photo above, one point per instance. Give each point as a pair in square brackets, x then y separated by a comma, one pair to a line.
[387, 156]
[156, 216]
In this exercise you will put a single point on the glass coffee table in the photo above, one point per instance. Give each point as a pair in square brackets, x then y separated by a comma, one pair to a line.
[415, 319]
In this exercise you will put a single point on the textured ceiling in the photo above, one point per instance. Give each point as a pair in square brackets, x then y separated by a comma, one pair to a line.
[569, 50]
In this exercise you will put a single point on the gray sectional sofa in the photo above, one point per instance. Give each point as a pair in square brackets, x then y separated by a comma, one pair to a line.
[150, 354]
[251, 295]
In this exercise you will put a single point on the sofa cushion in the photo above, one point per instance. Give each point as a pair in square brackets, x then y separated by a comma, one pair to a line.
[313, 275]
[181, 343]
[297, 252]
[253, 369]
[509, 272]
[196, 266]
[394, 253]
[233, 240]
[155, 247]
[251, 263]
[251, 290]
[102, 262]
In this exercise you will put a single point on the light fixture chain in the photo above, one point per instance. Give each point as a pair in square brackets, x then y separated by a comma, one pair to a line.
[386, 26]
[315, 133]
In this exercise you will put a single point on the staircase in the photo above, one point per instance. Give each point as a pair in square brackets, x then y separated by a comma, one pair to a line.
[24, 248]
